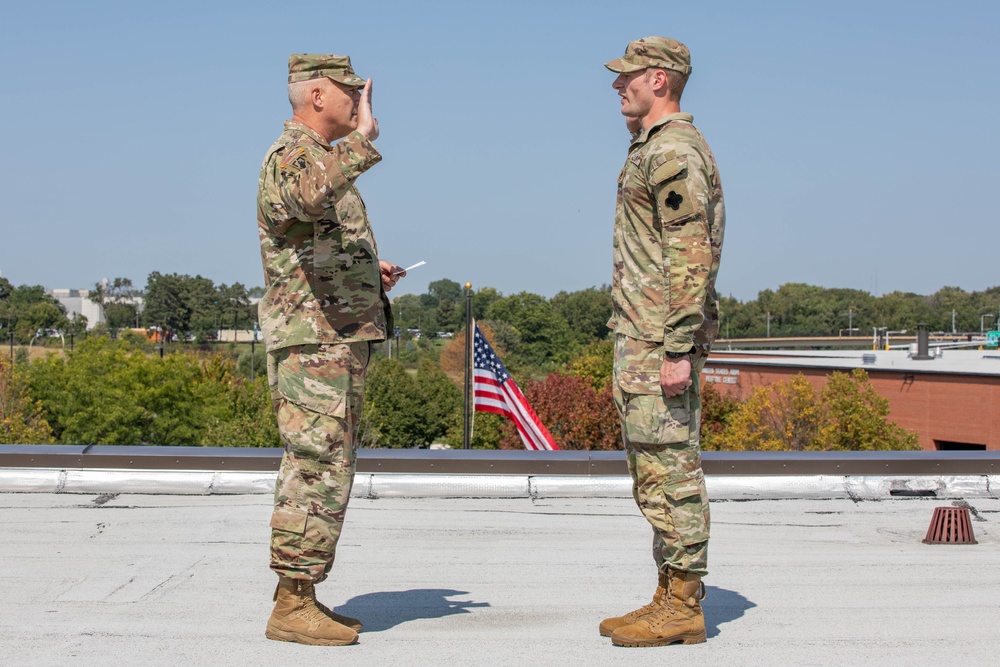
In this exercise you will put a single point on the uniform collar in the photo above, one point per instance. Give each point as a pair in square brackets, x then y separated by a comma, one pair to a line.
[643, 136]
[296, 126]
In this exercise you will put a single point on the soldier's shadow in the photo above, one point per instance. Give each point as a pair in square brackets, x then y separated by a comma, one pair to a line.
[387, 609]
[722, 606]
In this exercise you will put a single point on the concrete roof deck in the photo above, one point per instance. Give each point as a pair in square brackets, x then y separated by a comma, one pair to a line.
[167, 580]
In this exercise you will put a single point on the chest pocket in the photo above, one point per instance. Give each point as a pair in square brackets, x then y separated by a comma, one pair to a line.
[669, 183]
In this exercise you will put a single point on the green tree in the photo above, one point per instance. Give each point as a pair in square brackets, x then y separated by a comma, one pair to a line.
[167, 304]
[545, 336]
[859, 417]
[246, 416]
[586, 311]
[111, 392]
[787, 415]
[393, 414]
[118, 300]
[22, 420]
[186, 304]
[482, 299]
[594, 364]
[445, 290]
[234, 307]
[790, 415]
[29, 309]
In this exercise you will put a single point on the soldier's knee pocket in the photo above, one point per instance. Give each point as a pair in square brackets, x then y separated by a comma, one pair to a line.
[303, 530]
[687, 509]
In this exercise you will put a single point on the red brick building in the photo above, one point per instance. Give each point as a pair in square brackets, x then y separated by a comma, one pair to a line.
[951, 401]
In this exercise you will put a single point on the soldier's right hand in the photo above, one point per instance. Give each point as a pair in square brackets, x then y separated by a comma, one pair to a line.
[367, 123]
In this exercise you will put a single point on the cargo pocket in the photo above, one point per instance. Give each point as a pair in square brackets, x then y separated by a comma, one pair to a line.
[290, 520]
[312, 393]
[650, 418]
[688, 509]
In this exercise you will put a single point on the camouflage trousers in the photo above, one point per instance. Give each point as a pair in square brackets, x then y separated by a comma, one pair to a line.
[664, 455]
[317, 392]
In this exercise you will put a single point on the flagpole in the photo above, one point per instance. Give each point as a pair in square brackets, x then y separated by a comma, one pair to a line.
[466, 432]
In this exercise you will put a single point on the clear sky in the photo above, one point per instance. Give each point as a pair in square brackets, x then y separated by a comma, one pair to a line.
[858, 141]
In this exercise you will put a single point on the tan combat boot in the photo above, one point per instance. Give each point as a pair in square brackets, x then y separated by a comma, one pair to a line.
[609, 625]
[297, 618]
[680, 619]
[352, 623]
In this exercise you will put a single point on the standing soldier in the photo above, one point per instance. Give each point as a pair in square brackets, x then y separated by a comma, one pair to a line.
[669, 223]
[324, 306]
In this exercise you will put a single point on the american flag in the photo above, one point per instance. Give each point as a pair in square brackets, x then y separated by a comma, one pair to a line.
[495, 391]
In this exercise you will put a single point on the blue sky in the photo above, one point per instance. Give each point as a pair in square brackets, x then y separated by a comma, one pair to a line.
[857, 141]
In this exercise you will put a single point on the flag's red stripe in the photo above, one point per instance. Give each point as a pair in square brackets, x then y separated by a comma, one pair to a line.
[506, 399]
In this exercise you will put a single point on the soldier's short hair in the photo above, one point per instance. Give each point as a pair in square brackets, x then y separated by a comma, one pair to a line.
[675, 82]
[298, 91]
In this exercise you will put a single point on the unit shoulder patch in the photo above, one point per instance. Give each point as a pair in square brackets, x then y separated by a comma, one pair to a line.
[294, 161]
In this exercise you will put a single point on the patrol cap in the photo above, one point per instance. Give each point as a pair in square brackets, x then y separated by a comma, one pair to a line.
[305, 66]
[653, 52]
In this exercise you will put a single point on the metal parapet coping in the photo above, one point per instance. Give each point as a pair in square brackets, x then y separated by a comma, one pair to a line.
[95, 481]
[500, 474]
[502, 462]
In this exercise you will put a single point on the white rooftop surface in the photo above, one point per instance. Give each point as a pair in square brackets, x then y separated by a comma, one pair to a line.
[959, 361]
[183, 580]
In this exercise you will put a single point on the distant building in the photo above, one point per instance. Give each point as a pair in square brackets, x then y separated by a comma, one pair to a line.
[951, 401]
[75, 301]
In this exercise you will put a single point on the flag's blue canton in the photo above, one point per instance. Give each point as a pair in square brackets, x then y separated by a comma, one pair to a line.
[486, 359]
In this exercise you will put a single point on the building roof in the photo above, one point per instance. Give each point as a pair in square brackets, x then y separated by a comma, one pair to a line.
[165, 580]
[951, 361]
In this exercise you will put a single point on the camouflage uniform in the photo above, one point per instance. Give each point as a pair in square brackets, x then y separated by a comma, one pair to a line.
[669, 224]
[323, 307]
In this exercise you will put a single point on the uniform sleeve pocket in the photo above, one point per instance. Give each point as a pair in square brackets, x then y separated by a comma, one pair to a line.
[668, 171]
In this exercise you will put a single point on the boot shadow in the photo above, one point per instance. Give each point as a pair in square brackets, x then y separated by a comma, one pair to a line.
[722, 606]
[387, 609]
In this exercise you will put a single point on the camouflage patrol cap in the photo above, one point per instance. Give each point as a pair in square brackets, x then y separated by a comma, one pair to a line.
[653, 52]
[305, 66]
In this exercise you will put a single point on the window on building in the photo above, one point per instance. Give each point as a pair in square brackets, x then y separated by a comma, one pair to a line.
[950, 446]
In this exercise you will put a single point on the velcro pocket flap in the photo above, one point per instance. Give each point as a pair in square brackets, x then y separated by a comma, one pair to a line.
[669, 170]
[311, 393]
[289, 519]
[685, 488]
[640, 382]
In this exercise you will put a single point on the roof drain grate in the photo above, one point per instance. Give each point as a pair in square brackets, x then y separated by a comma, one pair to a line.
[950, 525]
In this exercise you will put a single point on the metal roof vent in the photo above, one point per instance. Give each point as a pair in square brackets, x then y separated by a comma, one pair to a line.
[868, 359]
[950, 525]
[922, 352]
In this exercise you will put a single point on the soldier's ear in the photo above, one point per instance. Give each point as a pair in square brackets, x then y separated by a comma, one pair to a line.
[317, 97]
[658, 79]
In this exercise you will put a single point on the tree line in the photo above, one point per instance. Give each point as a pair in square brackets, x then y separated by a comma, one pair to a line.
[118, 392]
[187, 306]
[540, 332]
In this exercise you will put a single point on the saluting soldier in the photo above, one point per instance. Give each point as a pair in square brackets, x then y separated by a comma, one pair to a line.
[323, 308]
